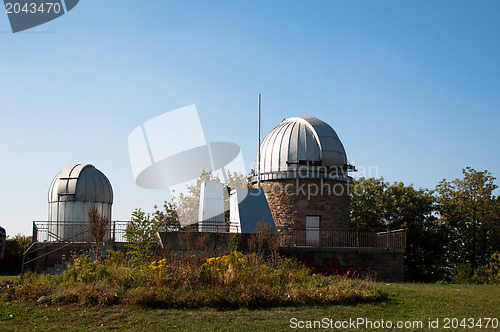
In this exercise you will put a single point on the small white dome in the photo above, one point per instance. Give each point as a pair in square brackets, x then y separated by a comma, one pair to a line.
[82, 183]
[303, 140]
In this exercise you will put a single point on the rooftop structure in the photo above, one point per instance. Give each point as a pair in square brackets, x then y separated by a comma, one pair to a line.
[304, 147]
[304, 175]
[72, 192]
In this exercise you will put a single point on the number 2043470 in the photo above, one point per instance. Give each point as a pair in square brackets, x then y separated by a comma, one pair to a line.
[33, 8]
[471, 323]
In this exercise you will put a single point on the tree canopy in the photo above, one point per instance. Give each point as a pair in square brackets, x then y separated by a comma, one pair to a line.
[187, 203]
[380, 205]
[471, 212]
[457, 223]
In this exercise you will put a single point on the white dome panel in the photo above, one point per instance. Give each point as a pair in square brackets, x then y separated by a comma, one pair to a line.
[299, 141]
[83, 183]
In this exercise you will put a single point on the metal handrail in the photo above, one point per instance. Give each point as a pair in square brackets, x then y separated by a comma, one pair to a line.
[65, 241]
[288, 237]
[292, 236]
[44, 230]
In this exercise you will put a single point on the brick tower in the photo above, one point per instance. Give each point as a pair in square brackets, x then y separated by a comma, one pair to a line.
[304, 175]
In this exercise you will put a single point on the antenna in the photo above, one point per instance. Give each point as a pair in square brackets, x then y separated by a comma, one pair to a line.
[258, 153]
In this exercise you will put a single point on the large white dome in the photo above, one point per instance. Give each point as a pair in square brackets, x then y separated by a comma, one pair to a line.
[299, 144]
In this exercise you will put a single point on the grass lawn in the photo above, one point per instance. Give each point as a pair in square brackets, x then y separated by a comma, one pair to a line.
[9, 278]
[403, 302]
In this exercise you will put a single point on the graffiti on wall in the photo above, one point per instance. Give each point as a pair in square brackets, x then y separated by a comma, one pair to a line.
[334, 266]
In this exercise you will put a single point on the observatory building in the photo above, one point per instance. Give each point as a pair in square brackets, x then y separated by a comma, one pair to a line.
[304, 175]
[72, 192]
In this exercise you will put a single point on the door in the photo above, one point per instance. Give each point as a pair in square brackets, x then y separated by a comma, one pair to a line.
[312, 230]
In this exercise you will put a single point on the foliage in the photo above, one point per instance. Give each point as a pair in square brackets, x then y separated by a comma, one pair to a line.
[113, 269]
[401, 302]
[98, 224]
[188, 203]
[168, 219]
[471, 214]
[231, 281]
[264, 243]
[237, 180]
[141, 235]
[368, 208]
[225, 268]
[456, 227]
[462, 273]
[488, 273]
[14, 250]
[142, 232]
[235, 242]
[377, 204]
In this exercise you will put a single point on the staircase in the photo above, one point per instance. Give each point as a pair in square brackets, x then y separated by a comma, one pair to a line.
[59, 268]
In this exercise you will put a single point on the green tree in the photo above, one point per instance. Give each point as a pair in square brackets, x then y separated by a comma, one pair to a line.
[237, 180]
[142, 233]
[14, 250]
[415, 211]
[188, 203]
[167, 218]
[98, 224]
[471, 212]
[368, 203]
[377, 205]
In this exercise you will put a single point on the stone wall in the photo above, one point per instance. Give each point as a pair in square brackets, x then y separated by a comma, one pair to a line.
[291, 200]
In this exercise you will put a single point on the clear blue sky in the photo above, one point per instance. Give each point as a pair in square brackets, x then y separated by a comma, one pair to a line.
[411, 87]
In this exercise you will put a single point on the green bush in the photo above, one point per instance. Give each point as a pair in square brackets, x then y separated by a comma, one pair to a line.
[490, 272]
[230, 281]
[13, 256]
[463, 273]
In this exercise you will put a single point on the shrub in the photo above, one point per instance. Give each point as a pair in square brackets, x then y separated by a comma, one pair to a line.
[230, 281]
[490, 272]
[14, 250]
[463, 273]
[98, 224]
[141, 236]
[225, 269]
[142, 233]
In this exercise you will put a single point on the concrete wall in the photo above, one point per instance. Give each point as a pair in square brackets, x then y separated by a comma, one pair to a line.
[380, 264]
[49, 254]
[291, 200]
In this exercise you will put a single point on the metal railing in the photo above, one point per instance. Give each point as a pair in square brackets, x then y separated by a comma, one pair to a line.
[63, 243]
[56, 236]
[392, 239]
[53, 231]
[294, 237]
